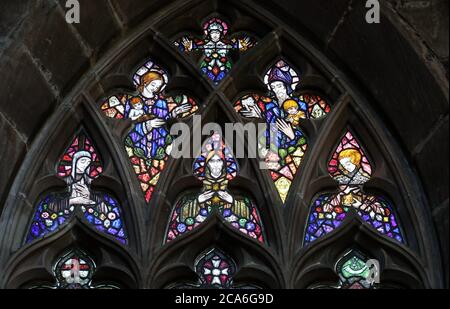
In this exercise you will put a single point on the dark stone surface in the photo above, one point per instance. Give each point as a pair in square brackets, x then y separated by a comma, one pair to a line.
[316, 19]
[54, 46]
[401, 87]
[12, 14]
[432, 163]
[11, 152]
[430, 19]
[97, 24]
[134, 11]
[26, 98]
[441, 215]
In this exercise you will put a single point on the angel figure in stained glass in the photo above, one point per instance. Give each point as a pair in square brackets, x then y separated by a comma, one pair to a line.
[284, 144]
[216, 62]
[351, 169]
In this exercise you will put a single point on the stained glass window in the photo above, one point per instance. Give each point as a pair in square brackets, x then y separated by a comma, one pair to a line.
[350, 167]
[216, 62]
[215, 167]
[79, 166]
[149, 143]
[74, 270]
[284, 144]
[215, 270]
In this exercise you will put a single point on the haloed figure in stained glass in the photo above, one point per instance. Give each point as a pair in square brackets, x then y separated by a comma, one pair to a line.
[79, 166]
[351, 169]
[284, 144]
[216, 62]
[215, 182]
[79, 184]
[215, 167]
[149, 143]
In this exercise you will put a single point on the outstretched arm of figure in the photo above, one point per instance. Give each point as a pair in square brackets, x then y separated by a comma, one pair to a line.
[182, 106]
[150, 122]
[186, 44]
[116, 106]
[244, 43]
[153, 124]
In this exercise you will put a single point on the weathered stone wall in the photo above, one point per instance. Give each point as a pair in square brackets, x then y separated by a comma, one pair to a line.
[402, 63]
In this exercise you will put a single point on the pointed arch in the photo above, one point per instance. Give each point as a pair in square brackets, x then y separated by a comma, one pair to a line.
[277, 38]
[316, 265]
[215, 167]
[388, 180]
[35, 264]
[350, 167]
[257, 264]
[72, 121]
[79, 166]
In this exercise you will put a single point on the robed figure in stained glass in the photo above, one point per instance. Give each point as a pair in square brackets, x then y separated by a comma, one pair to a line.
[215, 167]
[351, 169]
[216, 62]
[284, 144]
[149, 142]
[79, 166]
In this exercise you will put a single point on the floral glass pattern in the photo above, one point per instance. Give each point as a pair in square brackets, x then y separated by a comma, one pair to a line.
[74, 271]
[215, 270]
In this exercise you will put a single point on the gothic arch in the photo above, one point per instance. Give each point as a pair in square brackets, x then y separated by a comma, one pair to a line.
[256, 262]
[399, 266]
[34, 263]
